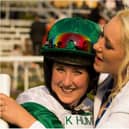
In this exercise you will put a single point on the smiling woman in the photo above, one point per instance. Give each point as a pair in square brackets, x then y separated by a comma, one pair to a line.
[69, 83]
[69, 76]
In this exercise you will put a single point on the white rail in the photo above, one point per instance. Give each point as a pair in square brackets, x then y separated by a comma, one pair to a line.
[15, 60]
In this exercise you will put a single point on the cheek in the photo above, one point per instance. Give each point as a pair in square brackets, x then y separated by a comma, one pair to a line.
[113, 58]
[112, 62]
[83, 86]
[55, 75]
[82, 82]
[56, 79]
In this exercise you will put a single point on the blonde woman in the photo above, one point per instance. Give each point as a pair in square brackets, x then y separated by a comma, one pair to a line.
[111, 107]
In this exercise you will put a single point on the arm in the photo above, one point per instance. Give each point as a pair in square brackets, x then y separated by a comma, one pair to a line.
[14, 113]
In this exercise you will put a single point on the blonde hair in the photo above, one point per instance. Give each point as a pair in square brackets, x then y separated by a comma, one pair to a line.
[123, 17]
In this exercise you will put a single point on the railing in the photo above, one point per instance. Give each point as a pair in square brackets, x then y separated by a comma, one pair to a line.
[15, 60]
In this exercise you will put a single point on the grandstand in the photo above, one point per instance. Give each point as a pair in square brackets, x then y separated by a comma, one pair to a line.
[16, 17]
[12, 32]
[15, 20]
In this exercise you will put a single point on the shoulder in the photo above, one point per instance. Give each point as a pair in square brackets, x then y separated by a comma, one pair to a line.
[37, 94]
[121, 100]
[41, 96]
[124, 93]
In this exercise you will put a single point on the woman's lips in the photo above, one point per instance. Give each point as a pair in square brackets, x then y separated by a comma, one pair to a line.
[67, 90]
[98, 59]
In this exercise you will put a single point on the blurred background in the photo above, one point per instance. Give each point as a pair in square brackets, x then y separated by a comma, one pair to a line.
[19, 55]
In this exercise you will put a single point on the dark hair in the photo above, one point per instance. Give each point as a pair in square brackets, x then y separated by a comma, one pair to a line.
[47, 67]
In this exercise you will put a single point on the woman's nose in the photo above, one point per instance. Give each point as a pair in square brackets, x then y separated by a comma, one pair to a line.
[67, 79]
[98, 46]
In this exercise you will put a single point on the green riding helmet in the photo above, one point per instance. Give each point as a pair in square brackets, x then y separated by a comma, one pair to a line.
[71, 40]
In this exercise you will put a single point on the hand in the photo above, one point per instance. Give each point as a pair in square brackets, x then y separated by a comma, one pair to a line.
[13, 113]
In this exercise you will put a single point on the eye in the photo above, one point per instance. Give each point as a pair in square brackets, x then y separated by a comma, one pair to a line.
[78, 71]
[60, 68]
[108, 44]
[102, 34]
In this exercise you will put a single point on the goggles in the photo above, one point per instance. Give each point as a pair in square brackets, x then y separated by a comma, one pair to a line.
[79, 42]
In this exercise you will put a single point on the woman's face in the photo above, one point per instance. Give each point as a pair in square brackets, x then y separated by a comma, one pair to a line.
[109, 49]
[69, 83]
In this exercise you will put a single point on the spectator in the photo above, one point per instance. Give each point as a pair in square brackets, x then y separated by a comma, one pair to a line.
[27, 47]
[37, 31]
[17, 51]
[48, 26]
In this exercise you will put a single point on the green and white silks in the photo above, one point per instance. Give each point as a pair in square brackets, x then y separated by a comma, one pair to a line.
[51, 114]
